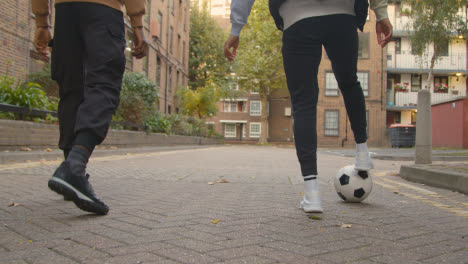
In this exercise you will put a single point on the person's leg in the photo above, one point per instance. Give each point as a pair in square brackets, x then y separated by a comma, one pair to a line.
[102, 33]
[341, 43]
[302, 51]
[67, 70]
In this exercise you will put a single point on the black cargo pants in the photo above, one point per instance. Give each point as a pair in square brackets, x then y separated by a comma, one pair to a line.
[88, 62]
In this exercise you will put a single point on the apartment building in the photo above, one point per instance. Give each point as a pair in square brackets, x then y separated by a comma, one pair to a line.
[220, 10]
[407, 73]
[166, 26]
[238, 119]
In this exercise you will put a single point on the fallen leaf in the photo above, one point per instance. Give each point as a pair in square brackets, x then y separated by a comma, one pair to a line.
[27, 161]
[211, 183]
[215, 221]
[30, 241]
[313, 217]
[345, 225]
[12, 204]
[222, 180]
[345, 212]
[302, 193]
[48, 150]
[112, 147]
[25, 149]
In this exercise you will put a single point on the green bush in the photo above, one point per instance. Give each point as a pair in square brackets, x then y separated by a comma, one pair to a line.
[157, 123]
[44, 79]
[27, 95]
[138, 98]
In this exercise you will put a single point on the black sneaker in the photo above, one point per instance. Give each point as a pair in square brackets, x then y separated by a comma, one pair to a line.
[68, 198]
[77, 188]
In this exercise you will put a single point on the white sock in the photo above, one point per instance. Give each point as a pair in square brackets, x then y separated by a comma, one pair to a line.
[362, 147]
[310, 184]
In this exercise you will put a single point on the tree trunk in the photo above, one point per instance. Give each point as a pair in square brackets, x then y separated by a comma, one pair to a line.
[264, 120]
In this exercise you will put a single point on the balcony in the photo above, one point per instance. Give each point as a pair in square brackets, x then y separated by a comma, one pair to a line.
[409, 100]
[409, 63]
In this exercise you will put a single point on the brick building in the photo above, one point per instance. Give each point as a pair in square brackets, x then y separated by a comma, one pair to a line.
[239, 119]
[166, 26]
[17, 57]
[409, 70]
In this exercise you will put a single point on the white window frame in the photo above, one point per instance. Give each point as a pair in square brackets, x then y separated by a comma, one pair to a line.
[255, 134]
[230, 133]
[259, 113]
[228, 107]
[363, 78]
[331, 129]
[331, 85]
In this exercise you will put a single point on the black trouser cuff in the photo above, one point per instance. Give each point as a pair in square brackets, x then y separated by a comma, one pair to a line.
[86, 139]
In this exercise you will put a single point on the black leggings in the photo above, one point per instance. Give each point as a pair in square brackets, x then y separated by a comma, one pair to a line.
[302, 52]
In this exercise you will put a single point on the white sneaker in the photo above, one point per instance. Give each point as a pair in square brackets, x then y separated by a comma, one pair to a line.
[363, 161]
[312, 203]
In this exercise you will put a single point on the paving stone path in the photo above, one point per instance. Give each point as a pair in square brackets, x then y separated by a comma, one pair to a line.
[162, 210]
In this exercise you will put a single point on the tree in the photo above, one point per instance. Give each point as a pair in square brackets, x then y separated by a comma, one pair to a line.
[200, 102]
[206, 58]
[434, 23]
[259, 59]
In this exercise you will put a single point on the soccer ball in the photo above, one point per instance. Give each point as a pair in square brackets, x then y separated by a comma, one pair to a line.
[352, 185]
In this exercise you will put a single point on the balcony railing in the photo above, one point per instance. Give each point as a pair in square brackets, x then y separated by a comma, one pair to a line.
[410, 99]
[452, 62]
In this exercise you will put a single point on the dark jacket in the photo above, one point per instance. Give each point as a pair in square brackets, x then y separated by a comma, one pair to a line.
[361, 8]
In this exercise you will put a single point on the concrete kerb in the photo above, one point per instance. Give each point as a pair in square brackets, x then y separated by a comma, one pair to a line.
[441, 178]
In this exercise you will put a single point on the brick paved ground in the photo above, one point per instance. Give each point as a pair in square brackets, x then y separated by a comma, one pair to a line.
[162, 209]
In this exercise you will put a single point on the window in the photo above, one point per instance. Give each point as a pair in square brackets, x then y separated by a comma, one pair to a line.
[363, 78]
[363, 51]
[415, 82]
[443, 48]
[398, 46]
[169, 80]
[183, 52]
[441, 84]
[169, 109]
[255, 129]
[331, 122]
[171, 32]
[331, 85]
[255, 108]
[160, 21]
[177, 80]
[158, 72]
[147, 13]
[178, 47]
[244, 130]
[230, 106]
[229, 130]
[172, 6]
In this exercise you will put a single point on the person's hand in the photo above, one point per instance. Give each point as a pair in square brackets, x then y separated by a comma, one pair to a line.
[42, 38]
[140, 46]
[384, 27]
[231, 43]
